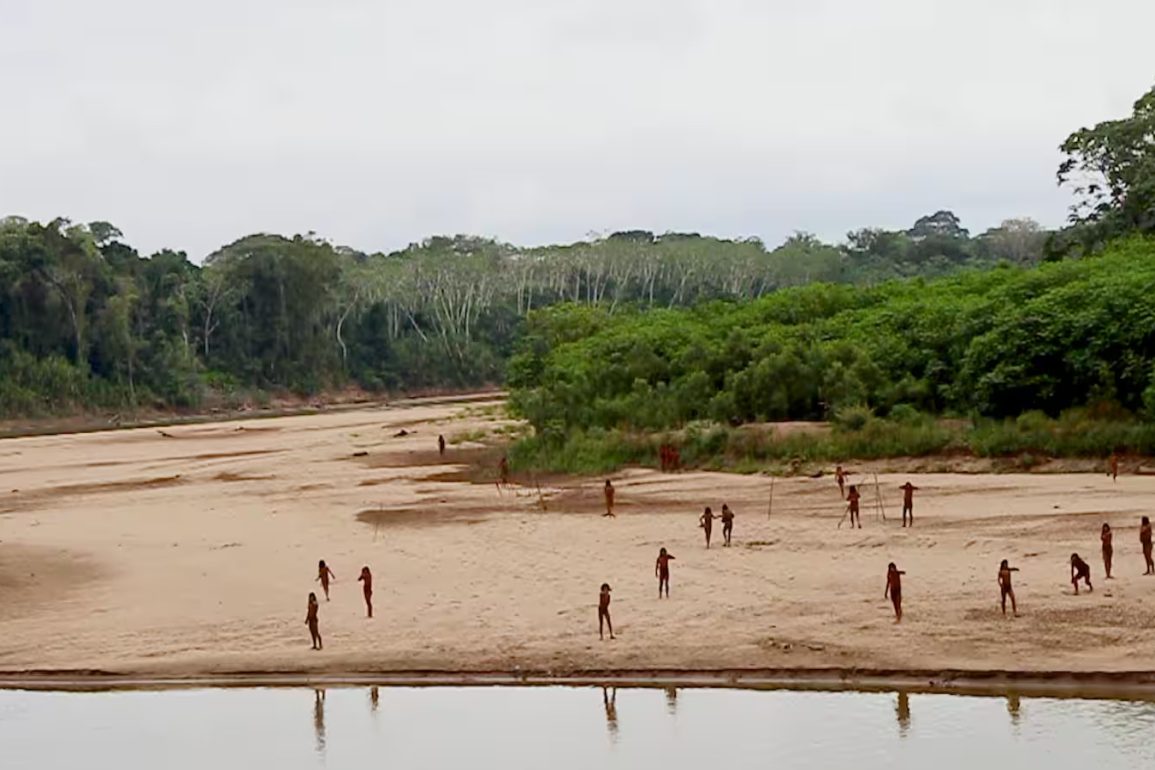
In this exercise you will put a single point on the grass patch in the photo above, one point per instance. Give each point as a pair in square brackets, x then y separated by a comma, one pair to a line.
[1027, 441]
[468, 436]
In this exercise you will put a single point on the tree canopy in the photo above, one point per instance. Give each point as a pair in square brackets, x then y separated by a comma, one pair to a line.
[88, 322]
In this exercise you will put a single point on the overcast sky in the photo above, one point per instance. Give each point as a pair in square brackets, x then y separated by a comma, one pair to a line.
[377, 123]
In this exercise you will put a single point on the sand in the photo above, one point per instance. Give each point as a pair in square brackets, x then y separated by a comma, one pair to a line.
[191, 554]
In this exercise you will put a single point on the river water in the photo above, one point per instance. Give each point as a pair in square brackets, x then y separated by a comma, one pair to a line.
[563, 728]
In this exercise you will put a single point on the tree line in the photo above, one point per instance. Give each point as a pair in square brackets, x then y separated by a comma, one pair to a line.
[993, 343]
[88, 322]
[996, 342]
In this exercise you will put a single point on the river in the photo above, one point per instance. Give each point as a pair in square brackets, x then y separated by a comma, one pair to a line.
[563, 728]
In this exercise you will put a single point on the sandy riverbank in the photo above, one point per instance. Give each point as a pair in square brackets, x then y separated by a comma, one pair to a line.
[191, 554]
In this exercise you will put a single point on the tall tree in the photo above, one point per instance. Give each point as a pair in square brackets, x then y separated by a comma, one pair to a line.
[1110, 168]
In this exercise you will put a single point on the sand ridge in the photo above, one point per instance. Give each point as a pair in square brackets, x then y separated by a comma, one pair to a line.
[192, 553]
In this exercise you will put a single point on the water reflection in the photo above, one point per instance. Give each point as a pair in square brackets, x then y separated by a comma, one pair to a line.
[524, 727]
[902, 712]
[610, 701]
[1013, 707]
[319, 718]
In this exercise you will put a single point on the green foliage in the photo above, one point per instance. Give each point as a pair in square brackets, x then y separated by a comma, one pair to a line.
[631, 330]
[993, 343]
[1111, 170]
[853, 418]
[1023, 442]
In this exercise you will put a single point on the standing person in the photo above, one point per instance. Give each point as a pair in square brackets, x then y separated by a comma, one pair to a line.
[324, 574]
[1145, 540]
[894, 589]
[662, 571]
[1005, 589]
[840, 477]
[1113, 466]
[441, 445]
[311, 621]
[852, 498]
[1080, 570]
[908, 491]
[1108, 549]
[706, 522]
[727, 524]
[367, 589]
[503, 470]
[609, 494]
[604, 611]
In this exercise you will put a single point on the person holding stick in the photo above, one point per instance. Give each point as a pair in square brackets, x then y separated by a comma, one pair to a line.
[840, 476]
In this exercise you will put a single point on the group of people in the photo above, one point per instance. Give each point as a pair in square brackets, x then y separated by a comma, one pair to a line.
[706, 522]
[326, 576]
[853, 498]
[1080, 570]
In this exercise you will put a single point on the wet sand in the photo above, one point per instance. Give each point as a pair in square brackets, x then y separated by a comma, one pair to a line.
[190, 555]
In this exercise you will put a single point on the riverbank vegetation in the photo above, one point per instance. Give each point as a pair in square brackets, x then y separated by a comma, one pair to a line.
[1056, 359]
[680, 327]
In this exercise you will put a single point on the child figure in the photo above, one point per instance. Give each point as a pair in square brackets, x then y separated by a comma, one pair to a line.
[706, 522]
[324, 574]
[1005, 588]
[604, 611]
[367, 588]
[662, 571]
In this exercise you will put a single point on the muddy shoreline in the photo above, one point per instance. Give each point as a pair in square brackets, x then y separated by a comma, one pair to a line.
[83, 424]
[1124, 685]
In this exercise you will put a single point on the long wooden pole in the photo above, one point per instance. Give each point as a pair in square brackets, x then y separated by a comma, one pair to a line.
[770, 507]
[878, 494]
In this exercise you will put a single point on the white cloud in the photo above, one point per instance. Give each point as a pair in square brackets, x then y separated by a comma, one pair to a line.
[377, 123]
